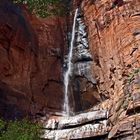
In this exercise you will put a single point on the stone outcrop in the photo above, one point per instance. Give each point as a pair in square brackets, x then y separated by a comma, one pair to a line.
[71, 121]
[83, 125]
[79, 132]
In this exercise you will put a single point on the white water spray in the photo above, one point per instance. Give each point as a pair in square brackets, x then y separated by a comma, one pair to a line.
[68, 72]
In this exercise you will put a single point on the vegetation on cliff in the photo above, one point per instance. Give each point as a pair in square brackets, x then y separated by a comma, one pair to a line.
[18, 130]
[44, 8]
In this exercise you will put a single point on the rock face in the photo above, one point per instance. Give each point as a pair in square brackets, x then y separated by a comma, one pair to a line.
[82, 85]
[107, 51]
[113, 35]
[114, 41]
[31, 56]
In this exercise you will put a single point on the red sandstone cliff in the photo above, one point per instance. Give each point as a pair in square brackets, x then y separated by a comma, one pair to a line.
[114, 37]
[31, 59]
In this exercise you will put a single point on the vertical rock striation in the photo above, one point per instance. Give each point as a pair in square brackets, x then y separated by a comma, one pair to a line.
[113, 35]
[82, 88]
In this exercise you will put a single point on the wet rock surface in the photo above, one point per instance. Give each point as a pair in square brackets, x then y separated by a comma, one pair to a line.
[84, 93]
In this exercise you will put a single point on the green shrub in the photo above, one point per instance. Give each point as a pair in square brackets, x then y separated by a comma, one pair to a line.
[43, 8]
[19, 130]
[132, 74]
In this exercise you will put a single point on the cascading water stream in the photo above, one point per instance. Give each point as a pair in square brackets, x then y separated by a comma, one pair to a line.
[69, 65]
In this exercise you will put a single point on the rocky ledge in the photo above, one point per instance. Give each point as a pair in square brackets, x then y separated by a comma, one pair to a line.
[83, 125]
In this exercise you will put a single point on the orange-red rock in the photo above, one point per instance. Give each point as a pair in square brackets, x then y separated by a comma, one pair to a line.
[31, 58]
[113, 33]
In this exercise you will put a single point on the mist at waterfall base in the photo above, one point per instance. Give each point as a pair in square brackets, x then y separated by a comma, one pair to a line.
[67, 74]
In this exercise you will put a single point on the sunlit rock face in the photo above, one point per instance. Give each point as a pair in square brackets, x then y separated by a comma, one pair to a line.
[113, 36]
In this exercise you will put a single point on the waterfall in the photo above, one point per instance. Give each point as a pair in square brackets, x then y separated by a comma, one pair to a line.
[69, 67]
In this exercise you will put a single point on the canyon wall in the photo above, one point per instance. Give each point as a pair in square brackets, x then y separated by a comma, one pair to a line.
[113, 28]
[31, 59]
[114, 40]
[32, 52]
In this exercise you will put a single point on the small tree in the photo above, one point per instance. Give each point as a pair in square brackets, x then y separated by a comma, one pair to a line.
[43, 8]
